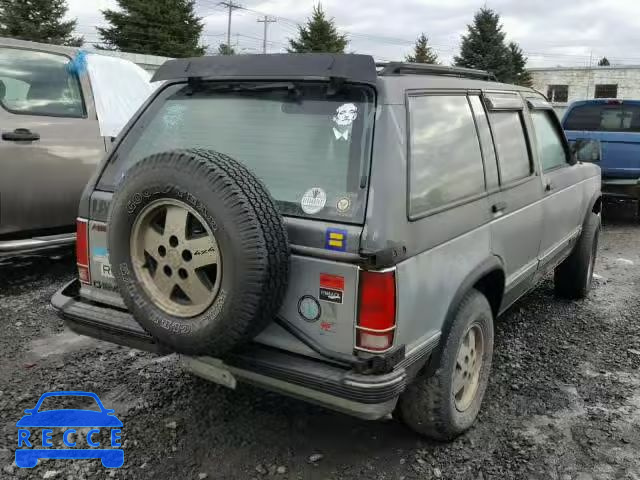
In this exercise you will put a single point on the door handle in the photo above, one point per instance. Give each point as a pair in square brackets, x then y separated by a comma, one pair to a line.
[499, 207]
[549, 186]
[20, 135]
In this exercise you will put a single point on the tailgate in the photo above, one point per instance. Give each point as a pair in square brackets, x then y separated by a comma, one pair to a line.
[326, 284]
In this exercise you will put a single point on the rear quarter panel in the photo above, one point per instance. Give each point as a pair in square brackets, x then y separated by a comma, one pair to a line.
[436, 253]
[428, 283]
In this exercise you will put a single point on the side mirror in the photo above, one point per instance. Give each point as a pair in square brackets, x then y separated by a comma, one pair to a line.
[586, 150]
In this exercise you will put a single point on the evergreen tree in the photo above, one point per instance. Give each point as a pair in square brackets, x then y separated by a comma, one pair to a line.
[483, 47]
[318, 35]
[38, 21]
[168, 28]
[224, 49]
[422, 52]
[521, 76]
[604, 62]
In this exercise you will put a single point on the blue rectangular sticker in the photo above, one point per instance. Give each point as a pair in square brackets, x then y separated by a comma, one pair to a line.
[100, 252]
[336, 239]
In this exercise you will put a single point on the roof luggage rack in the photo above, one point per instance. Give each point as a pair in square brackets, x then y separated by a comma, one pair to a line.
[397, 68]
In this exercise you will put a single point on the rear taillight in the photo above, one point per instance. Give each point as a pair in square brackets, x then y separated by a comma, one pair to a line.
[82, 250]
[377, 311]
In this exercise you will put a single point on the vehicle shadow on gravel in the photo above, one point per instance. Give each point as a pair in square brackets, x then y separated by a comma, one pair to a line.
[20, 273]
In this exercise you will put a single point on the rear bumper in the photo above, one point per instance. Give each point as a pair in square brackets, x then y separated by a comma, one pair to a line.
[323, 383]
[36, 245]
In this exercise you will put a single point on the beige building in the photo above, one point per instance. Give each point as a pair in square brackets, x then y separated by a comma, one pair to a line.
[563, 85]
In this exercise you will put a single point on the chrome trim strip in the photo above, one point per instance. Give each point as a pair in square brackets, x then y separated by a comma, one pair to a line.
[37, 242]
[376, 330]
[521, 273]
[557, 247]
[365, 385]
[427, 342]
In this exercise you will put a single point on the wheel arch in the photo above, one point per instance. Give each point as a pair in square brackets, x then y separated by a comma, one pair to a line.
[594, 206]
[489, 279]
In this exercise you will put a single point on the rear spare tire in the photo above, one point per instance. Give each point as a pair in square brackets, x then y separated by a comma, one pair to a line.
[199, 251]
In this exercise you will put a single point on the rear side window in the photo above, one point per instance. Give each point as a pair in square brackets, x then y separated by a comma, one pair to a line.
[614, 117]
[38, 83]
[550, 145]
[445, 159]
[511, 145]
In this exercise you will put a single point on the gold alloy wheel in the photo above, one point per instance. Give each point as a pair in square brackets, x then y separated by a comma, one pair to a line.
[466, 376]
[176, 258]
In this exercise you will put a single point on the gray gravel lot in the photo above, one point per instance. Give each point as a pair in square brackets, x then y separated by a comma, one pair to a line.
[563, 402]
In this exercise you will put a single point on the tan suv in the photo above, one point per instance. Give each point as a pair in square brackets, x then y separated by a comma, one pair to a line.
[51, 143]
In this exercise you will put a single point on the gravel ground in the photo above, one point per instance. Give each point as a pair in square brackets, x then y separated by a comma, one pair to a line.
[563, 402]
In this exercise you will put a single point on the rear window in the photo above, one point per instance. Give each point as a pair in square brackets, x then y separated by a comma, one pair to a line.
[308, 145]
[604, 117]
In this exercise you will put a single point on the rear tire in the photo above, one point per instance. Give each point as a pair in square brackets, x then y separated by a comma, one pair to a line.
[574, 276]
[435, 406]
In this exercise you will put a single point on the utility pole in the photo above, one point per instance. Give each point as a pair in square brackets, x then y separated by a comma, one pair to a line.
[231, 6]
[266, 20]
[590, 74]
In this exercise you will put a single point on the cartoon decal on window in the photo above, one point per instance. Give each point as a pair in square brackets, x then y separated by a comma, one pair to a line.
[345, 115]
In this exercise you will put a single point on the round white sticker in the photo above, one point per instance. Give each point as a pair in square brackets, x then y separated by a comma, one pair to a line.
[313, 200]
[343, 204]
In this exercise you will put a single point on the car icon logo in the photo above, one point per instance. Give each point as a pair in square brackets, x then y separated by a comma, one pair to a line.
[32, 447]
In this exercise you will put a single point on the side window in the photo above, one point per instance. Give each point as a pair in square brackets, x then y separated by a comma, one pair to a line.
[488, 151]
[511, 145]
[550, 145]
[38, 83]
[445, 159]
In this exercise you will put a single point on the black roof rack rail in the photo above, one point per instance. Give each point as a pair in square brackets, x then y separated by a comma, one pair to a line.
[397, 68]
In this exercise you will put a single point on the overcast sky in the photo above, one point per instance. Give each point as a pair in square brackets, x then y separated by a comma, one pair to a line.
[551, 32]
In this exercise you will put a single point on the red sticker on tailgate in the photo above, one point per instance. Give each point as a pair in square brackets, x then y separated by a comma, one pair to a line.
[334, 282]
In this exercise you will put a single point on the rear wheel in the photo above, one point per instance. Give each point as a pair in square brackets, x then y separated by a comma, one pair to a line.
[445, 404]
[574, 276]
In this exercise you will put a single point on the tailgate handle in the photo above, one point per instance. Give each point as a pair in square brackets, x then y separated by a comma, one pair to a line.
[21, 134]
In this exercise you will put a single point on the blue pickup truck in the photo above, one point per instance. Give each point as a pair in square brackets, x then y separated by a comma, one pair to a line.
[616, 125]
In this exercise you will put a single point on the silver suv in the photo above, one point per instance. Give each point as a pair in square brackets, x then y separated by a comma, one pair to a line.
[335, 230]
